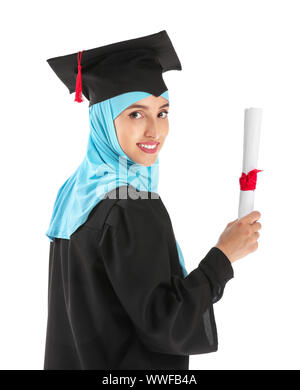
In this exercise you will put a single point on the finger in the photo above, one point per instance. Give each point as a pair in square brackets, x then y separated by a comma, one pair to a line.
[256, 226]
[251, 217]
[256, 235]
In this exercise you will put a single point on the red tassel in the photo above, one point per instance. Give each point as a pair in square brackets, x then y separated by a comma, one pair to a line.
[78, 94]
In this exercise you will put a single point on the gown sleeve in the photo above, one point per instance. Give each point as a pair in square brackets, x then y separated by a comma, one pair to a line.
[171, 314]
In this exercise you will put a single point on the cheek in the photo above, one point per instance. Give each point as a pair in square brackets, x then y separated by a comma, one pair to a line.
[165, 129]
[120, 128]
[129, 134]
[135, 130]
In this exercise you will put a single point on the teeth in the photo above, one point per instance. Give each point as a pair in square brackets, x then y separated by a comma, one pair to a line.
[148, 146]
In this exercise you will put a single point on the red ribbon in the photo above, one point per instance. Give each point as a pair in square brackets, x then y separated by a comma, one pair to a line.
[78, 94]
[248, 182]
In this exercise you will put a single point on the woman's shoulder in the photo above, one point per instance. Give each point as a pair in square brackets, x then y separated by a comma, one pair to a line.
[136, 207]
[126, 202]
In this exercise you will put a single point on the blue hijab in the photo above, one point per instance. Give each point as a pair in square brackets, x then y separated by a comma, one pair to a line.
[104, 168]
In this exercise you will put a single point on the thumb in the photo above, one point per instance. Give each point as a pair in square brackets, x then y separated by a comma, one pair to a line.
[252, 217]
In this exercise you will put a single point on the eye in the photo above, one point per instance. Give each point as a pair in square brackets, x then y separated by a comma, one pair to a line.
[133, 113]
[164, 112]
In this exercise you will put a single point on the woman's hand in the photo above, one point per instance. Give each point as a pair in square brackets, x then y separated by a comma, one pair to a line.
[240, 236]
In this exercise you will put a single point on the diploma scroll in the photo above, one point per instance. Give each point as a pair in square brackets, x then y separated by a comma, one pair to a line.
[252, 124]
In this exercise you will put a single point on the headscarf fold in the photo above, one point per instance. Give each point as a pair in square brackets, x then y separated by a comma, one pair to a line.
[104, 168]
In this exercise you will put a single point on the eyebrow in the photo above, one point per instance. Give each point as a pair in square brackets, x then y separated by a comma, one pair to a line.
[146, 107]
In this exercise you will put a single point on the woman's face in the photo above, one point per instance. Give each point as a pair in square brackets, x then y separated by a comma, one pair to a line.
[144, 122]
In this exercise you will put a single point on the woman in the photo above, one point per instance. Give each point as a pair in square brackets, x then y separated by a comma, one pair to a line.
[119, 294]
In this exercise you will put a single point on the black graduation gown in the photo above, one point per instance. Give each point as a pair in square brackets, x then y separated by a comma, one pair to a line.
[117, 296]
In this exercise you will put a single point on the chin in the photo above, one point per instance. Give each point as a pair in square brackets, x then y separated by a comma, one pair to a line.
[146, 162]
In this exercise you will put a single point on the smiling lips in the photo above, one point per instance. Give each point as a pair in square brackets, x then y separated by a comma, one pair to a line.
[148, 147]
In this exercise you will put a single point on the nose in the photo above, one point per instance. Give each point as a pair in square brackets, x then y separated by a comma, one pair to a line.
[152, 129]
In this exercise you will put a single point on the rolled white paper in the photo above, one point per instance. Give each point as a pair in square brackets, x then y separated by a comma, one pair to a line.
[252, 123]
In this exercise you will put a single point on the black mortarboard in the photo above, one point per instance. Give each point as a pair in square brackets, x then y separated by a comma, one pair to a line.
[107, 71]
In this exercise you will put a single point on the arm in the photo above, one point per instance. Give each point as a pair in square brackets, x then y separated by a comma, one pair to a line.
[171, 314]
[218, 269]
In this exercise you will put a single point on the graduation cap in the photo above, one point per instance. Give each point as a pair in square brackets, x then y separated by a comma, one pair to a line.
[107, 71]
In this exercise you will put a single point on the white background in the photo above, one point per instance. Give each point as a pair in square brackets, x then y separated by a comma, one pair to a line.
[234, 55]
